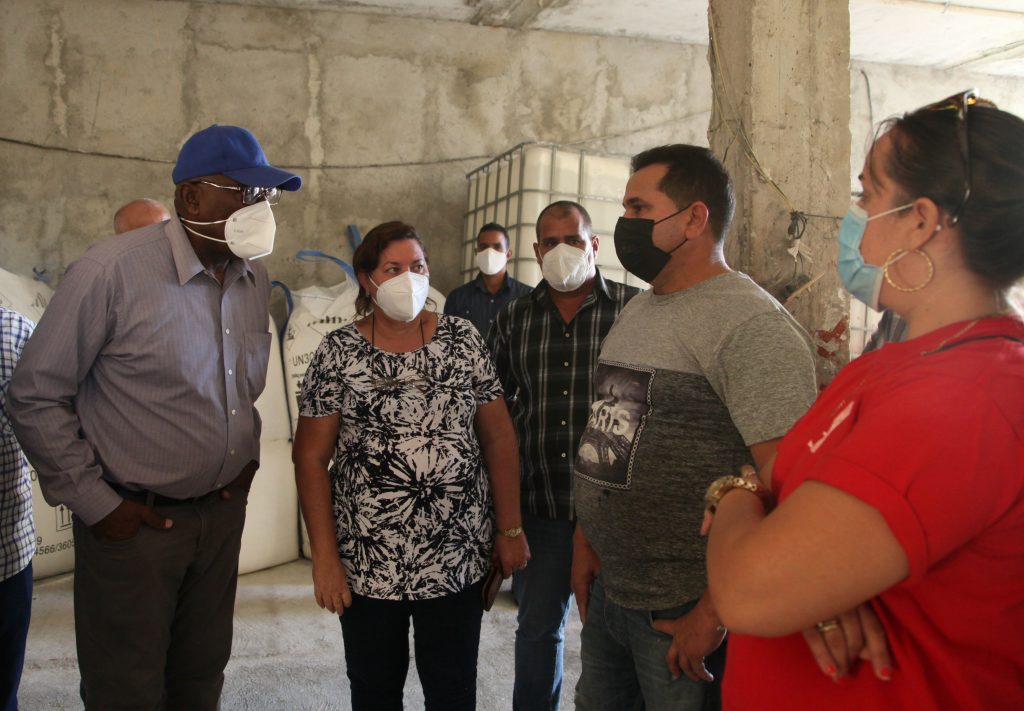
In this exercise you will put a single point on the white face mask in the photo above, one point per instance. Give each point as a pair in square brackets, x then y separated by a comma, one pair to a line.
[402, 297]
[491, 261]
[565, 268]
[248, 232]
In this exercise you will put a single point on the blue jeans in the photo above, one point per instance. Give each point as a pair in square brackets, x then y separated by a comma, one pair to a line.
[446, 637]
[624, 665]
[544, 591]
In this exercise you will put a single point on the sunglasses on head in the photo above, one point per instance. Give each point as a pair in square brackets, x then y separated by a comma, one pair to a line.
[960, 103]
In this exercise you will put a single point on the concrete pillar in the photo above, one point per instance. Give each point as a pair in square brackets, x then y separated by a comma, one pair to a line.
[781, 114]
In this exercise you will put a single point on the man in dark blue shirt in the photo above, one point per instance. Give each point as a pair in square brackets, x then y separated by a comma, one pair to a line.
[481, 299]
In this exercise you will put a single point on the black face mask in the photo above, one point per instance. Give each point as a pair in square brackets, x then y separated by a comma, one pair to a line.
[634, 246]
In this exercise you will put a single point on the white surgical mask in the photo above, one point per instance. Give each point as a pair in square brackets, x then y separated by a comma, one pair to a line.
[565, 267]
[491, 261]
[402, 297]
[248, 232]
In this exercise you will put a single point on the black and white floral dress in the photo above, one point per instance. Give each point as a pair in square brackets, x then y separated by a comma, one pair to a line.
[411, 498]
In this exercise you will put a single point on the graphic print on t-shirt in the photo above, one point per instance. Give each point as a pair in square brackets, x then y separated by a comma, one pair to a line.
[616, 421]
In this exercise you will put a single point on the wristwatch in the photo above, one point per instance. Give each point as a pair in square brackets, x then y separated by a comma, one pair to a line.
[511, 532]
[724, 484]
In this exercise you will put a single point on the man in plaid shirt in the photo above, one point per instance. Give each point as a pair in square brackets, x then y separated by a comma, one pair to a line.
[17, 533]
[545, 347]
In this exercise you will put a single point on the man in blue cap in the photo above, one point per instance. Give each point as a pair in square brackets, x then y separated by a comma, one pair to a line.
[134, 400]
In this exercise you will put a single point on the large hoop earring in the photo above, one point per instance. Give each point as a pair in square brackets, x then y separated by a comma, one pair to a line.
[899, 254]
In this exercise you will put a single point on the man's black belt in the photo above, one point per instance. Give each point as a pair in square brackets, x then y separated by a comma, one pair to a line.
[151, 498]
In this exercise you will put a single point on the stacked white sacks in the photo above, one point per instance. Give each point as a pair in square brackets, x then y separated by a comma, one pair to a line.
[55, 546]
[271, 535]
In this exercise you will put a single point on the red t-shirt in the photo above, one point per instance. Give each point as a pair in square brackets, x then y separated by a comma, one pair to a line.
[933, 437]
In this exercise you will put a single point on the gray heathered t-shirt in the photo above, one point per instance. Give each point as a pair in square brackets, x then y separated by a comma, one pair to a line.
[686, 383]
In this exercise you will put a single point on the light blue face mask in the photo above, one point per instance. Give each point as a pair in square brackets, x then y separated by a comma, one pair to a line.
[861, 279]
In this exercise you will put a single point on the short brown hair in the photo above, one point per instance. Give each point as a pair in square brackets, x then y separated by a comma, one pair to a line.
[367, 254]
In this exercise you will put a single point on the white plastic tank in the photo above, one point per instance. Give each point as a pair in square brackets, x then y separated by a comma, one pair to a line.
[512, 189]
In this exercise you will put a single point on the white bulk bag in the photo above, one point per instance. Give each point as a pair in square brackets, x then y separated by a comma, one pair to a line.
[307, 551]
[55, 546]
[272, 404]
[317, 310]
[313, 312]
[271, 534]
[25, 295]
[271, 519]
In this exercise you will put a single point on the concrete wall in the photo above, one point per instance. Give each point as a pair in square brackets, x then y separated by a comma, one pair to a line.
[879, 91]
[382, 116]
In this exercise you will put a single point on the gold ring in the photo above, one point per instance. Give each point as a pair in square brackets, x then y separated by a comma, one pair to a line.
[827, 625]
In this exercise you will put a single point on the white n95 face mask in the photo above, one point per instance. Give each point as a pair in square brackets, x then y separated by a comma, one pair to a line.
[491, 261]
[402, 297]
[249, 231]
[565, 267]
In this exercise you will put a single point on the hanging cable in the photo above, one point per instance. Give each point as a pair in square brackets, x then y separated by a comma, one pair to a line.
[798, 218]
[328, 166]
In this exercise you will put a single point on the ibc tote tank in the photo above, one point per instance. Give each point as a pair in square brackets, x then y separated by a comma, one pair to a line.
[512, 188]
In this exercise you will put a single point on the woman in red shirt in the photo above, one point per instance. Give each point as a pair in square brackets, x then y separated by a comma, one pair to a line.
[901, 492]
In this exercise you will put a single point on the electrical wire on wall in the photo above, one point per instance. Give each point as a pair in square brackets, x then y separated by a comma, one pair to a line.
[642, 129]
[362, 166]
[165, 161]
[871, 106]
[723, 95]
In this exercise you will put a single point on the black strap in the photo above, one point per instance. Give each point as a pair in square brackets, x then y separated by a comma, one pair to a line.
[1003, 336]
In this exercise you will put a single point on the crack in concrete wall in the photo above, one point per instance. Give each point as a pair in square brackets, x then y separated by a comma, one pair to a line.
[189, 69]
[314, 133]
[55, 63]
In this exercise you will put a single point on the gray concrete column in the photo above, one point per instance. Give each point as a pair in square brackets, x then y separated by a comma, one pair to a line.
[780, 119]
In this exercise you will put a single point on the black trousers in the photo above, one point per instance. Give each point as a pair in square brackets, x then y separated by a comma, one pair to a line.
[16, 606]
[447, 636]
[153, 614]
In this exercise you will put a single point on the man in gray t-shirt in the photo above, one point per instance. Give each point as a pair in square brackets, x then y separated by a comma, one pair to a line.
[699, 375]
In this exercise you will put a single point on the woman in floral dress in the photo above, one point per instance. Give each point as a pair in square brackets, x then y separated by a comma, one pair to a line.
[408, 475]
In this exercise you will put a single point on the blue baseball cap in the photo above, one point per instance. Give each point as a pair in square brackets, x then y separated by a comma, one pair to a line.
[232, 151]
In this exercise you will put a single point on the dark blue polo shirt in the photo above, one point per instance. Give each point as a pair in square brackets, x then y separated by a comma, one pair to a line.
[472, 301]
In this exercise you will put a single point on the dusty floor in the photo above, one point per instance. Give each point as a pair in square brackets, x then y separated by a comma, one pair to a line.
[287, 652]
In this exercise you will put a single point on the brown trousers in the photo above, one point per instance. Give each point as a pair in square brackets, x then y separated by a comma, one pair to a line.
[153, 614]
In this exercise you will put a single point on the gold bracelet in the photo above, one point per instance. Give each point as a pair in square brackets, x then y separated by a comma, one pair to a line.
[721, 486]
[511, 532]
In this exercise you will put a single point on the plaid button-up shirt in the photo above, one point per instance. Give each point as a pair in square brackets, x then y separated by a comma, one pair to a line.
[546, 367]
[17, 534]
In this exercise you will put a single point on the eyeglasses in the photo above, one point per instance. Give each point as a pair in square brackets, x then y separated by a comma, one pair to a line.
[250, 193]
[960, 103]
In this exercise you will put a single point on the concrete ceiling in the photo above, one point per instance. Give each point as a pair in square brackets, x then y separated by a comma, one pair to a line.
[976, 35]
